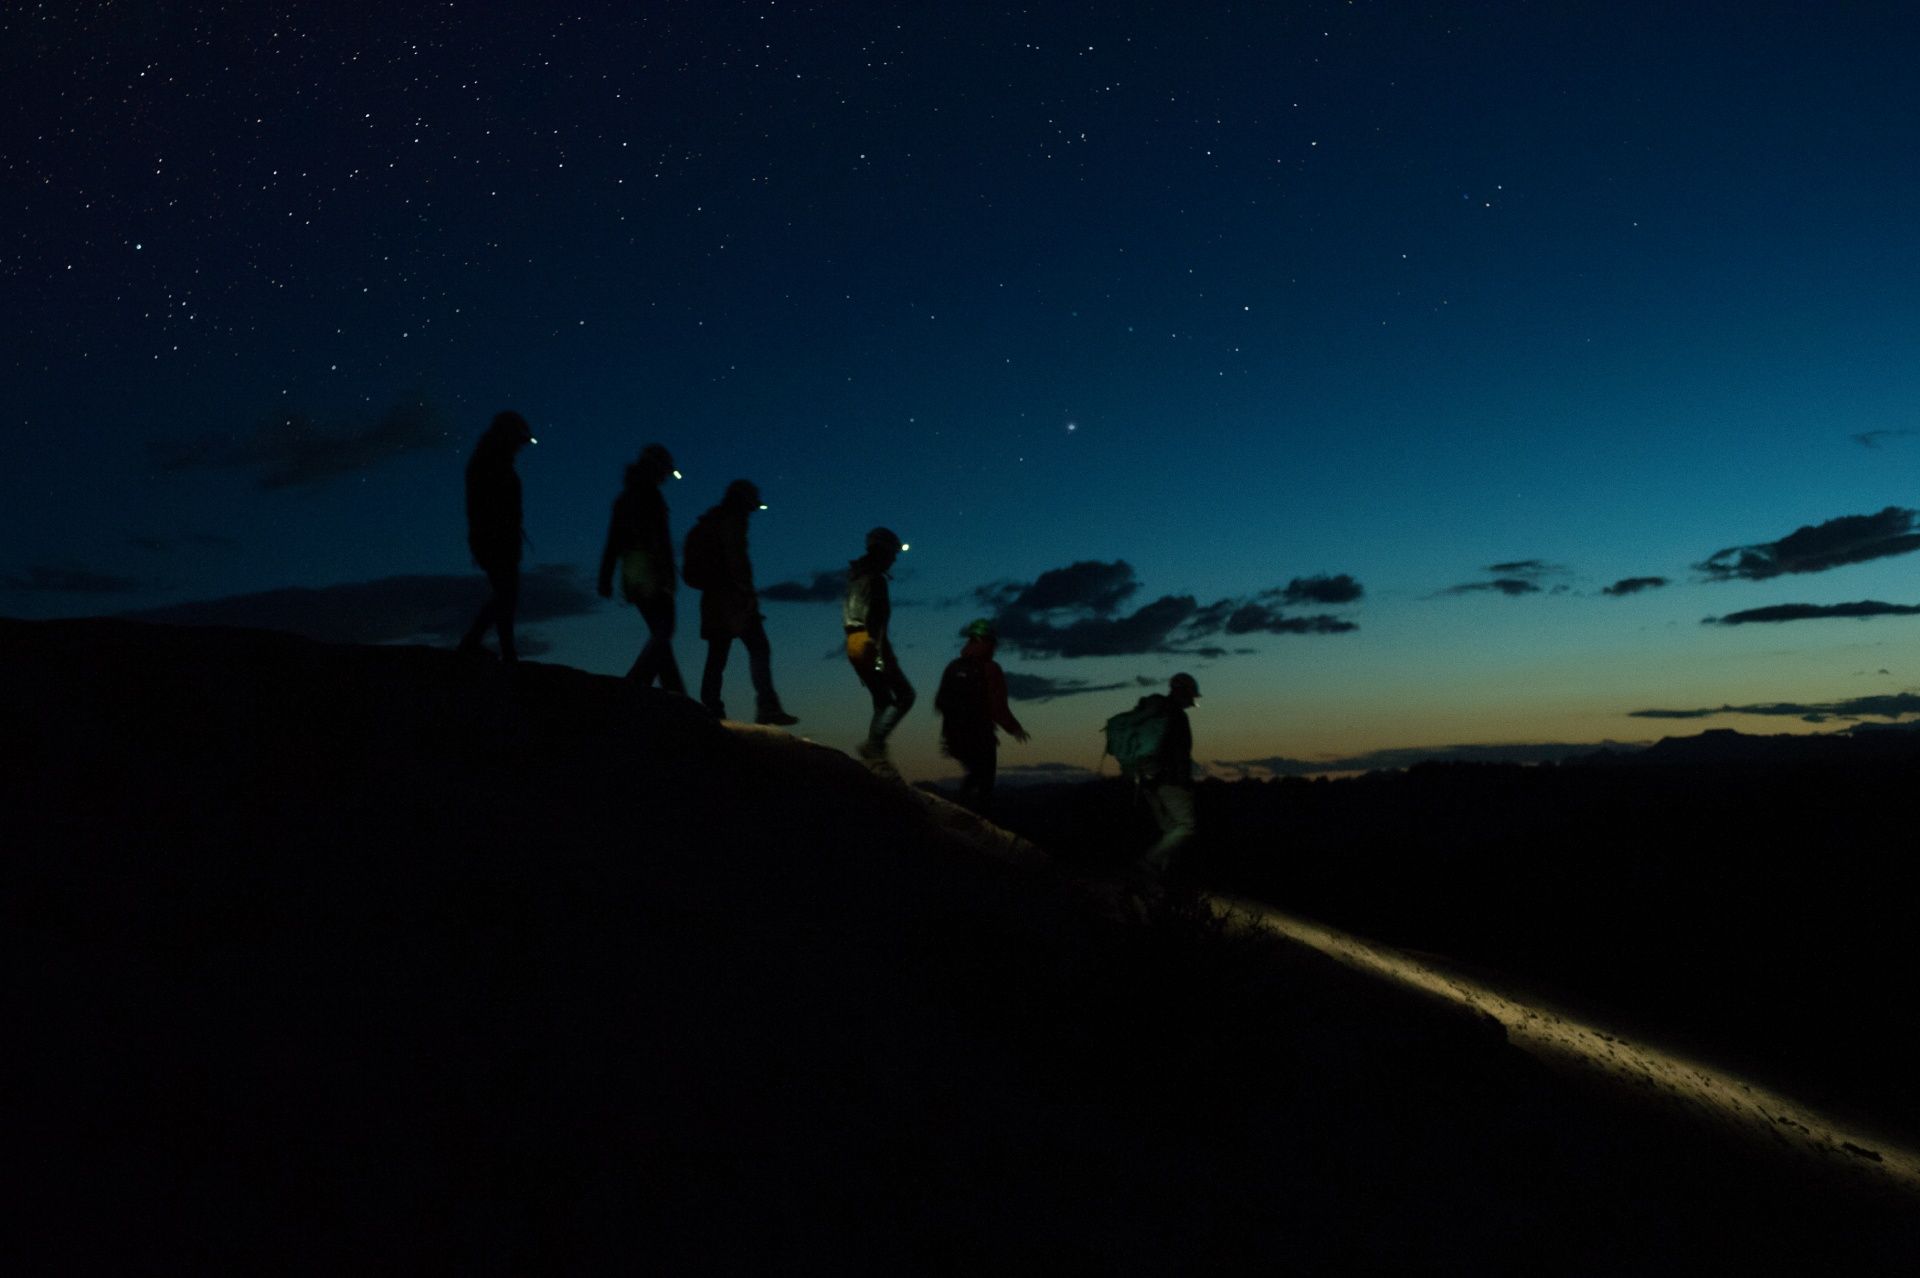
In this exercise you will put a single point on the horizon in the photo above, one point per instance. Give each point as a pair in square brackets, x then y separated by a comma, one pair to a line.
[1415, 382]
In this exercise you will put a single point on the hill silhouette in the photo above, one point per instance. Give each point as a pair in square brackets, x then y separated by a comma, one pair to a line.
[333, 958]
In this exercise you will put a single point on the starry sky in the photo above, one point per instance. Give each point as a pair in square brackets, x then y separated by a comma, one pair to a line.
[1475, 378]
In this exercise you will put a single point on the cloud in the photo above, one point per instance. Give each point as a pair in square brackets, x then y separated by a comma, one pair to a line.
[1858, 610]
[1633, 586]
[1149, 629]
[1872, 438]
[50, 579]
[1505, 585]
[1256, 618]
[291, 450]
[1407, 756]
[1849, 539]
[1888, 705]
[1022, 686]
[1513, 578]
[1088, 585]
[1341, 589]
[826, 586]
[1038, 618]
[385, 610]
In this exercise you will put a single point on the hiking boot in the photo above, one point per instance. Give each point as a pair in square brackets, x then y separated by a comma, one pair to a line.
[874, 755]
[775, 717]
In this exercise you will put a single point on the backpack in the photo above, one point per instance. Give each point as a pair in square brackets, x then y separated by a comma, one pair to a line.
[962, 698]
[700, 565]
[1134, 737]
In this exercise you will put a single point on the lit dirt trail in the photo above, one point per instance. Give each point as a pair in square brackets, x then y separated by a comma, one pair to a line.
[1704, 1092]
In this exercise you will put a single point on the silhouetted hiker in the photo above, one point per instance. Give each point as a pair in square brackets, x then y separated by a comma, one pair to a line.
[638, 541]
[494, 532]
[715, 563]
[1153, 743]
[971, 701]
[866, 614]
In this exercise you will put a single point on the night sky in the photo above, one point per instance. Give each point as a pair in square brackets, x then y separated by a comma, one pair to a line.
[1415, 375]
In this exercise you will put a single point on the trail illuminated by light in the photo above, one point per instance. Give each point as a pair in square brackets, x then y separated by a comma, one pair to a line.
[1709, 1094]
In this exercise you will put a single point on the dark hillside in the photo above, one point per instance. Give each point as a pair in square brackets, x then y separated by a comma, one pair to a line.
[342, 959]
[1748, 898]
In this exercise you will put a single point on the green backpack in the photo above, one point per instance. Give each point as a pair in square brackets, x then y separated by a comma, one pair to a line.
[1134, 737]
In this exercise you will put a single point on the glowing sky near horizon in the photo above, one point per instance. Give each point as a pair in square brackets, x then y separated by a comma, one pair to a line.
[1237, 295]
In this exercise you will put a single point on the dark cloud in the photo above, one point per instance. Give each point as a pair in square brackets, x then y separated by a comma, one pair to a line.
[1149, 629]
[1889, 705]
[1341, 589]
[826, 586]
[1528, 568]
[1256, 618]
[1850, 539]
[1022, 686]
[1505, 585]
[1633, 585]
[1813, 612]
[1513, 578]
[50, 579]
[1872, 438]
[291, 450]
[1407, 756]
[1088, 586]
[386, 610]
[1037, 618]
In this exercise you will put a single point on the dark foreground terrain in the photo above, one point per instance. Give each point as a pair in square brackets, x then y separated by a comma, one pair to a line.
[341, 959]
[1750, 899]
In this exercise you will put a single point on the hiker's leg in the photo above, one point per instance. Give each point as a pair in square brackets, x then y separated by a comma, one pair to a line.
[506, 602]
[717, 647]
[1172, 807]
[760, 665]
[656, 659]
[470, 642]
[893, 696]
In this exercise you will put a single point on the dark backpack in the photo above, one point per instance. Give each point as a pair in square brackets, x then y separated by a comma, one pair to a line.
[1135, 737]
[962, 699]
[700, 558]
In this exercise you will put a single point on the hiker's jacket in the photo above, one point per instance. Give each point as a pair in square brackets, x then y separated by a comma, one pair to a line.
[963, 729]
[730, 606]
[1174, 766]
[869, 603]
[639, 542]
[493, 507]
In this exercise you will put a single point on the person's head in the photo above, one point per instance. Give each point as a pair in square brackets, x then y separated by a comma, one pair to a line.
[509, 430]
[884, 546]
[653, 466]
[981, 631]
[1182, 689]
[743, 496]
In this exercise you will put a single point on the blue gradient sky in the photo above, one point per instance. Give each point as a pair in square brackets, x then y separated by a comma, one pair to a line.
[1234, 294]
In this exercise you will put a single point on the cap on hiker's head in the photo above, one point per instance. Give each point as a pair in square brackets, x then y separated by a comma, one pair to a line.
[884, 539]
[1183, 682]
[656, 457]
[511, 425]
[744, 492]
[980, 628]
